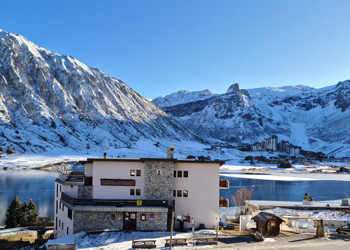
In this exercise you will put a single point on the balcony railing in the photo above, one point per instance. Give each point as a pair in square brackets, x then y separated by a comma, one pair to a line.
[224, 184]
[223, 202]
[112, 202]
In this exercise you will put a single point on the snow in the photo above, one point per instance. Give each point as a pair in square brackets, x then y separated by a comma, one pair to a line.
[327, 215]
[278, 176]
[13, 231]
[267, 177]
[123, 240]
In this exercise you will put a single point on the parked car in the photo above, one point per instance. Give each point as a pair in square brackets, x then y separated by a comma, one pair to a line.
[344, 229]
[223, 225]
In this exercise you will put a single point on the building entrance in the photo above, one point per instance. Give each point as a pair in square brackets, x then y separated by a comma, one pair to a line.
[129, 221]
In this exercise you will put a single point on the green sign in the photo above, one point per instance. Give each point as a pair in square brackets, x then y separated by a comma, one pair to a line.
[139, 203]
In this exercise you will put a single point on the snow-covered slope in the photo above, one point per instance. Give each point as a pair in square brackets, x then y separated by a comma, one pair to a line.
[316, 119]
[50, 101]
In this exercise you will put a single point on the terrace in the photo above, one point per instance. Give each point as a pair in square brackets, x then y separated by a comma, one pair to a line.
[113, 202]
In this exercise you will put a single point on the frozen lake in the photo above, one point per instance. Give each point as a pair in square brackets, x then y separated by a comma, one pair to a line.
[27, 184]
[270, 189]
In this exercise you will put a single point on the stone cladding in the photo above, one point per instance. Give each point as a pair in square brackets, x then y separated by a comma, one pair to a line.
[158, 223]
[90, 221]
[85, 192]
[159, 180]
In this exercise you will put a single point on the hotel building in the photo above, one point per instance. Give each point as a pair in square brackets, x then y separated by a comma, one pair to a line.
[138, 194]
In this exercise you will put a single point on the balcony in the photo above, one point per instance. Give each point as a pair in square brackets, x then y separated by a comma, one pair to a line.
[223, 202]
[112, 202]
[224, 184]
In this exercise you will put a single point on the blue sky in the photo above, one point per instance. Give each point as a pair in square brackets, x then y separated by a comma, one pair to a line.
[159, 47]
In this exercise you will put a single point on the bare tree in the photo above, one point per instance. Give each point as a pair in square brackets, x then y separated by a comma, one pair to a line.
[240, 197]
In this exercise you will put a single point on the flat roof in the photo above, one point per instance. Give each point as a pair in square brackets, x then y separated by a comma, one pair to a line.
[90, 160]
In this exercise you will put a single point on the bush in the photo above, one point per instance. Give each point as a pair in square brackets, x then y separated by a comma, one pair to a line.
[9, 150]
[285, 164]
[240, 197]
[248, 158]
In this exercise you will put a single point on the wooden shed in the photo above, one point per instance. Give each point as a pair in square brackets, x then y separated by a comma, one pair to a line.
[267, 224]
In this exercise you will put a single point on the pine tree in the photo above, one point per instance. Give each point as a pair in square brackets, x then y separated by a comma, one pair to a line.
[13, 213]
[32, 213]
[23, 214]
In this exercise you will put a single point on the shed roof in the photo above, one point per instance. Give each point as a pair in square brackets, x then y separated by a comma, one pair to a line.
[264, 217]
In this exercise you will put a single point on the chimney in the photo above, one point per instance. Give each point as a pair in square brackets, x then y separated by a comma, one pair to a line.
[170, 152]
[105, 155]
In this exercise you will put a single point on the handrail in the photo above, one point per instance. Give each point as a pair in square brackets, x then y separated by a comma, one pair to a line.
[112, 202]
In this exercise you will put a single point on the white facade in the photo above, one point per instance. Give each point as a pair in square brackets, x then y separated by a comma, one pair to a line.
[118, 185]
[202, 186]
[63, 222]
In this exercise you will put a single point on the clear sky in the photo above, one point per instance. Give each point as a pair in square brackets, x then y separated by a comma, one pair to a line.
[159, 47]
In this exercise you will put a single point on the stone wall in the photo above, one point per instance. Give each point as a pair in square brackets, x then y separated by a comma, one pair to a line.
[159, 180]
[90, 221]
[158, 223]
[85, 192]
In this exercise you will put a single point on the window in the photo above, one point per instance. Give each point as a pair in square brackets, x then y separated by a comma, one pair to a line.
[185, 174]
[70, 213]
[56, 190]
[179, 193]
[185, 193]
[59, 223]
[132, 172]
[62, 224]
[60, 188]
[174, 173]
[179, 173]
[138, 192]
[62, 206]
[132, 191]
[138, 172]
[174, 193]
[67, 230]
[56, 223]
[56, 207]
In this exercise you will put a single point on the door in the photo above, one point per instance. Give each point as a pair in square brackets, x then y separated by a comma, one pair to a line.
[129, 221]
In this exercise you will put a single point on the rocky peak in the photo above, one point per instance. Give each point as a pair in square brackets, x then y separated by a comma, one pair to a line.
[234, 88]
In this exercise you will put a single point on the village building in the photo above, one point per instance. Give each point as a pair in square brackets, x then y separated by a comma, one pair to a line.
[137, 194]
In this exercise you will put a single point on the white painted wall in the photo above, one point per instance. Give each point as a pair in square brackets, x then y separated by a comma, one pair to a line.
[88, 169]
[117, 170]
[62, 211]
[71, 190]
[202, 184]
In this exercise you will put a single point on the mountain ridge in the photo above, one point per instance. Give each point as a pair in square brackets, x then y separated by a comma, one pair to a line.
[316, 119]
[49, 100]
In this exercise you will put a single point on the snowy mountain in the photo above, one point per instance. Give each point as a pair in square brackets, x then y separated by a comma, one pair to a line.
[50, 101]
[316, 119]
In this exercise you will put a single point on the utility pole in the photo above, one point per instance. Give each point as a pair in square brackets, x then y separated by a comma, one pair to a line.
[172, 227]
